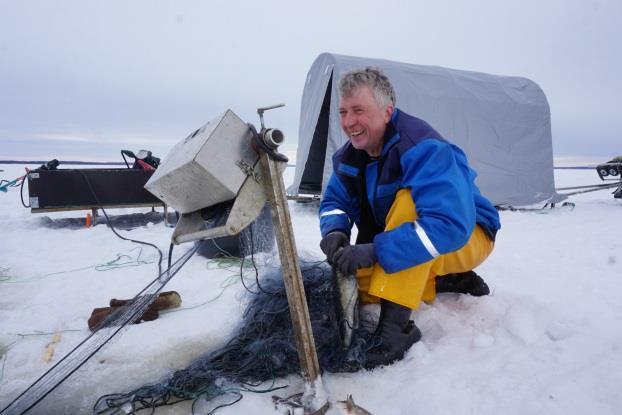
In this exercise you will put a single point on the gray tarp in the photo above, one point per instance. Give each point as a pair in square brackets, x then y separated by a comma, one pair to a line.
[503, 124]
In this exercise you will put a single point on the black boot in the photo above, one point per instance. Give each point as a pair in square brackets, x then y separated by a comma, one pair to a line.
[464, 282]
[396, 333]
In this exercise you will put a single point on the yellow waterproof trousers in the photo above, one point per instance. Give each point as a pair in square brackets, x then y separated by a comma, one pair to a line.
[408, 287]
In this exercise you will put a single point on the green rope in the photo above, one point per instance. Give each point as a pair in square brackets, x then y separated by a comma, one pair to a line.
[120, 261]
[44, 333]
[227, 282]
[59, 273]
[227, 263]
[224, 263]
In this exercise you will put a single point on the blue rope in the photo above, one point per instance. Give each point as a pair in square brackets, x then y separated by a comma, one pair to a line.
[13, 183]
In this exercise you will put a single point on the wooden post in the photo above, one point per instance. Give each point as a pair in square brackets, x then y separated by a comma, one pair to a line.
[281, 220]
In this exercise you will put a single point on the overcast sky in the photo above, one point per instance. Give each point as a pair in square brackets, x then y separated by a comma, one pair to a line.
[84, 79]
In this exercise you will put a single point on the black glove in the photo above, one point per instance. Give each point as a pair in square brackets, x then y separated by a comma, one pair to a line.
[352, 257]
[331, 243]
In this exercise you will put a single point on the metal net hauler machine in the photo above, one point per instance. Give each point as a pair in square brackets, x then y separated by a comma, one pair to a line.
[228, 170]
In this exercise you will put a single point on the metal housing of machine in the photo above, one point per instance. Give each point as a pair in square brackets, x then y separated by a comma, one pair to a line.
[197, 171]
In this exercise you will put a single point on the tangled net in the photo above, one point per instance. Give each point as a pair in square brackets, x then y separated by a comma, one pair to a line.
[263, 348]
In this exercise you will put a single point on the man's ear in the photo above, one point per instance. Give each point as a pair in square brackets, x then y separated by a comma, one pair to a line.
[388, 113]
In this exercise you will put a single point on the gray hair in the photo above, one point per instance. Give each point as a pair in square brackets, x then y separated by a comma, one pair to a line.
[377, 81]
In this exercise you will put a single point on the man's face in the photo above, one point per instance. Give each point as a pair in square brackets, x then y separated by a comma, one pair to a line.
[363, 120]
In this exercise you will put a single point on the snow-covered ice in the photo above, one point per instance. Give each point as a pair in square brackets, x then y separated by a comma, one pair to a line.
[548, 340]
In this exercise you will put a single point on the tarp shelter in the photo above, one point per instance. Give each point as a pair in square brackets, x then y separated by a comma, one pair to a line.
[503, 124]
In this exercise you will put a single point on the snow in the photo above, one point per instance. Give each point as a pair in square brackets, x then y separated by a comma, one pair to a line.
[547, 340]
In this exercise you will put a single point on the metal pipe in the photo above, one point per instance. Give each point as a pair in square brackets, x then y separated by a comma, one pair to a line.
[273, 137]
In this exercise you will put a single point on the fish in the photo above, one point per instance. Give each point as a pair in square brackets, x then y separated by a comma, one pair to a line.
[348, 303]
[348, 407]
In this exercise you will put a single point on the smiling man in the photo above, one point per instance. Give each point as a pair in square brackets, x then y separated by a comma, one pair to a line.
[422, 223]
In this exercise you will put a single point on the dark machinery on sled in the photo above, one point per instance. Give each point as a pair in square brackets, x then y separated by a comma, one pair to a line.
[612, 170]
[54, 189]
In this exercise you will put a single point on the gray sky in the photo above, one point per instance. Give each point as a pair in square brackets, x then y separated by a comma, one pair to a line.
[84, 79]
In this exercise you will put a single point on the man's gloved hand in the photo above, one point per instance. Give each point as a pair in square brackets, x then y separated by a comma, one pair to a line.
[331, 243]
[352, 257]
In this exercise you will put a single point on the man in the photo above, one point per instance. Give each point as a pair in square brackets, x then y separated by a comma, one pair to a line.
[418, 212]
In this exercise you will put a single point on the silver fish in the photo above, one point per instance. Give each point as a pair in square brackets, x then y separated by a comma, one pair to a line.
[348, 407]
[348, 301]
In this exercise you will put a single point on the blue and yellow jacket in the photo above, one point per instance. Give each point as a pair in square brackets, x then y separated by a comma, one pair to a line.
[414, 157]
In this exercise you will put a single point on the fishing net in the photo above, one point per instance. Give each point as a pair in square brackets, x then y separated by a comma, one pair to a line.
[263, 348]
